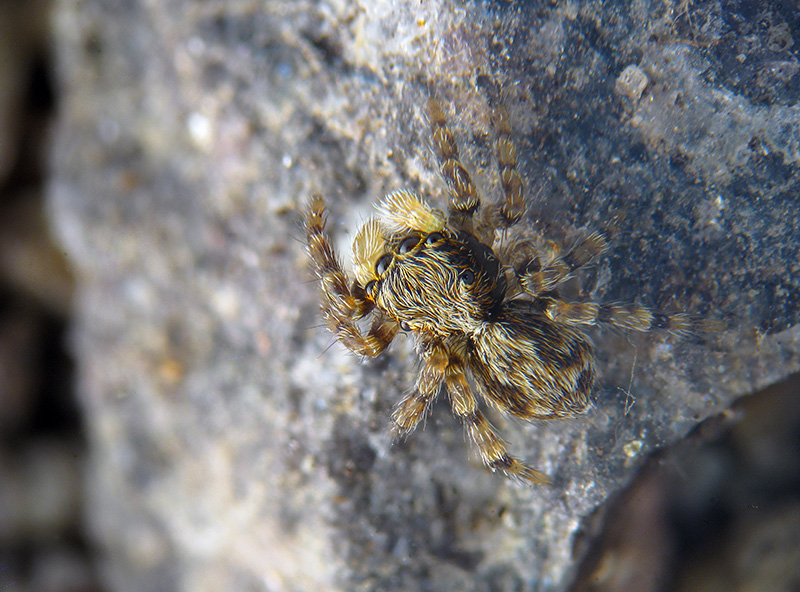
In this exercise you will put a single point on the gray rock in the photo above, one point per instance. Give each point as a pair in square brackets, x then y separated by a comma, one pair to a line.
[233, 447]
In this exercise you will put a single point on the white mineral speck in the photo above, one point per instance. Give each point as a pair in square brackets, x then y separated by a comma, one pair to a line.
[632, 82]
[200, 129]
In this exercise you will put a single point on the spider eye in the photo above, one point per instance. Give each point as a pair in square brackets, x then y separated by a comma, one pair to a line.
[408, 244]
[433, 238]
[370, 287]
[467, 276]
[383, 264]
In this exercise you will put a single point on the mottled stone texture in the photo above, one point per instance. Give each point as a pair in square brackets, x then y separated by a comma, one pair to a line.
[232, 448]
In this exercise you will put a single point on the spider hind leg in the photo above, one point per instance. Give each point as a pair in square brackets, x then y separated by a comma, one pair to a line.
[491, 448]
[628, 317]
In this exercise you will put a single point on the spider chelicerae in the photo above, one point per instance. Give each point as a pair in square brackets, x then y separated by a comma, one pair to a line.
[482, 303]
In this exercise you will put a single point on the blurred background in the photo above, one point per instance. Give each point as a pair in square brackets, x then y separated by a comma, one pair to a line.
[42, 446]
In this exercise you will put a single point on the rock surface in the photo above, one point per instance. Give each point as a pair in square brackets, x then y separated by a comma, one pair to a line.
[232, 448]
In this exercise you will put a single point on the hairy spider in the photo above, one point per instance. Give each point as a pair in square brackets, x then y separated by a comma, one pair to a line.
[484, 309]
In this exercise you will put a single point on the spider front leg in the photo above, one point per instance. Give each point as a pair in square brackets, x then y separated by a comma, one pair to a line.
[464, 198]
[490, 447]
[343, 302]
[513, 207]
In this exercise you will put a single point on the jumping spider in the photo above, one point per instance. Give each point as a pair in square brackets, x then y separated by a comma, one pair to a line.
[484, 310]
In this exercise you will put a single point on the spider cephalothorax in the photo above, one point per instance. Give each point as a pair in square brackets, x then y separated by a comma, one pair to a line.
[485, 312]
[431, 278]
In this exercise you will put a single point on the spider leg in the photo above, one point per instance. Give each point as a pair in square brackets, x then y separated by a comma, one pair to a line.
[464, 198]
[378, 337]
[540, 280]
[537, 278]
[633, 318]
[513, 207]
[490, 447]
[416, 404]
[343, 303]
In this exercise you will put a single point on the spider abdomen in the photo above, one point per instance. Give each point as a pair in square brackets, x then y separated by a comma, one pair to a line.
[530, 368]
